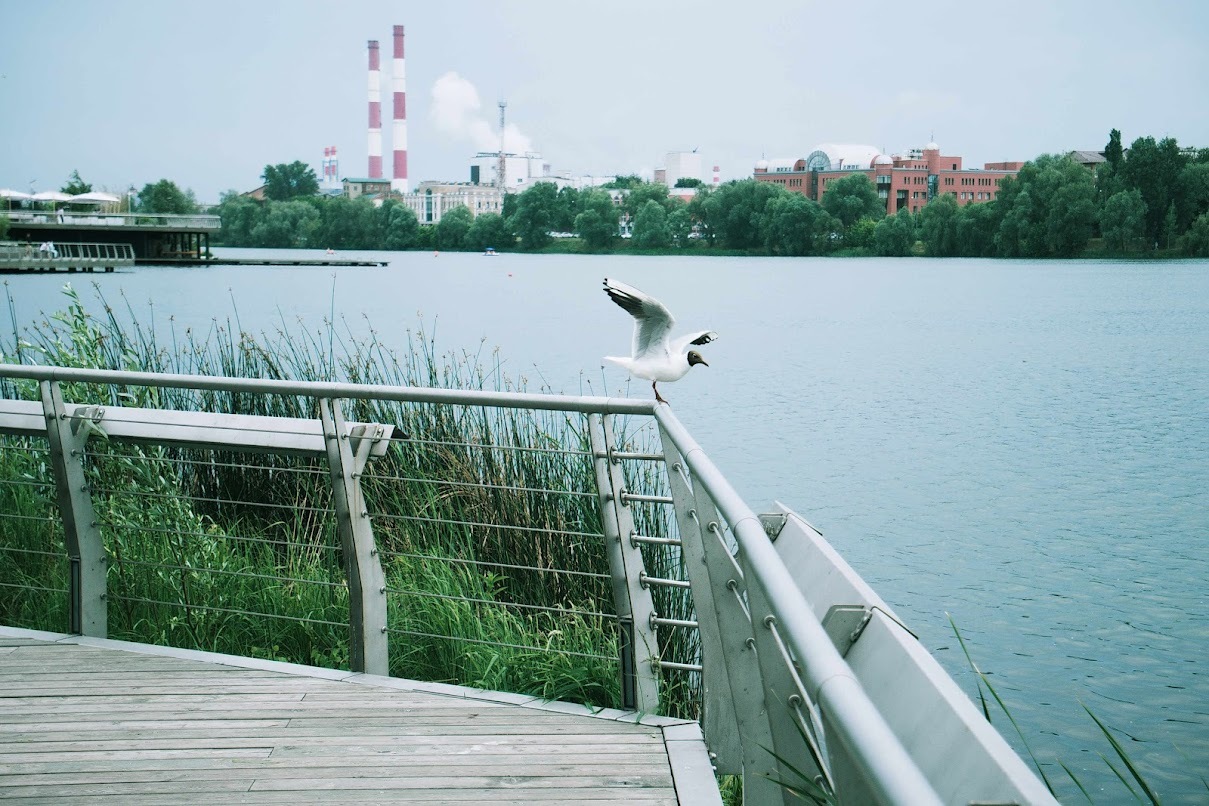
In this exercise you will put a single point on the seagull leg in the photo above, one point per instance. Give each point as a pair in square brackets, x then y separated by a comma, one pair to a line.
[658, 396]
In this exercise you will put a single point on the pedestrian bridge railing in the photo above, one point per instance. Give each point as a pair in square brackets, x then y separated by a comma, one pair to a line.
[482, 537]
[52, 255]
[192, 221]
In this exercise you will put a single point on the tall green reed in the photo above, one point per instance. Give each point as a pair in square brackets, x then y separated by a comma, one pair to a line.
[487, 519]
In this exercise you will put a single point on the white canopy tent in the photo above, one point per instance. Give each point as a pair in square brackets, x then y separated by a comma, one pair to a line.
[95, 197]
[13, 195]
[51, 196]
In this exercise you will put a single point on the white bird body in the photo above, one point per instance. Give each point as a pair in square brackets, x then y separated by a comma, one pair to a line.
[656, 355]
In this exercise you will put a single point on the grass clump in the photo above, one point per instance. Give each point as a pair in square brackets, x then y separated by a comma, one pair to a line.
[487, 520]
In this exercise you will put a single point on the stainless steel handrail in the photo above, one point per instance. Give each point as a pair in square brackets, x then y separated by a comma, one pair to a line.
[854, 733]
[325, 389]
[888, 768]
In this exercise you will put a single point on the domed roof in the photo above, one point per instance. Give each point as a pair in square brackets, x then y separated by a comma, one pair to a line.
[882, 159]
[931, 147]
[843, 155]
[761, 165]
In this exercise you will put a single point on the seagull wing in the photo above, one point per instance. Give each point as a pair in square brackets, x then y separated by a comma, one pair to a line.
[682, 344]
[652, 321]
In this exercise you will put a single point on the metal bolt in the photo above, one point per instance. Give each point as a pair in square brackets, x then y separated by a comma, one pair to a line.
[770, 620]
[751, 643]
[795, 700]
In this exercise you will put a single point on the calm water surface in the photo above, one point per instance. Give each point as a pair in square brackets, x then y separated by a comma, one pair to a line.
[1024, 446]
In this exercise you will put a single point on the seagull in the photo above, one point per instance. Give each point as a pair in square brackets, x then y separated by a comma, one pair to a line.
[657, 357]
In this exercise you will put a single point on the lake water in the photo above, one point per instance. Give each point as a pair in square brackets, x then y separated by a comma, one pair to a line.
[1024, 446]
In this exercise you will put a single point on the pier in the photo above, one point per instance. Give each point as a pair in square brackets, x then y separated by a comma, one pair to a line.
[94, 721]
[152, 237]
[722, 641]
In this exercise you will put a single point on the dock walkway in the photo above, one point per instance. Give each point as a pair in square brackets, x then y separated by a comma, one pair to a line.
[87, 720]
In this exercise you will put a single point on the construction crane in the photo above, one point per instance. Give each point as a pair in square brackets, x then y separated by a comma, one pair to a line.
[502, 170]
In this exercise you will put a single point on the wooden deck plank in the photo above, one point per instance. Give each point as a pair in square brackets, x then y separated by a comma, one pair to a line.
[97, 724]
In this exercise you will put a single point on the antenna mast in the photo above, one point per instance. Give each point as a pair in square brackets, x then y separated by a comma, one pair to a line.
[502, 169]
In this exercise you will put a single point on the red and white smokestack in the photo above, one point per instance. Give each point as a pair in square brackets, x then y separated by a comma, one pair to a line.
[375, 112]
[717, 175]
[398, 134]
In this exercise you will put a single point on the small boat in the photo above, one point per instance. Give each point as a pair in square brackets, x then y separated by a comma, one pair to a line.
[490, 251]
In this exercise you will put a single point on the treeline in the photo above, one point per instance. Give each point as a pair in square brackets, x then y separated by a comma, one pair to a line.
[1152, 198]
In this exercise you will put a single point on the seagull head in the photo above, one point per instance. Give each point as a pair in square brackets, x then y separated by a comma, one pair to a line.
[694, 357]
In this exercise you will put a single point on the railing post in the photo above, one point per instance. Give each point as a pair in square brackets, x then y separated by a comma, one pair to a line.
[85, 550]
[635, 609]
[719, 721]
[747, 685]
[367, 615]
[801, 747]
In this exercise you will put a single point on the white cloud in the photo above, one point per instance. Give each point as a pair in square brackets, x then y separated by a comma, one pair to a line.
[458, 113]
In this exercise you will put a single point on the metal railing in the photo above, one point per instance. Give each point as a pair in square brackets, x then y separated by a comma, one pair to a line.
[18, 253]
[573, 526]
[194, 221]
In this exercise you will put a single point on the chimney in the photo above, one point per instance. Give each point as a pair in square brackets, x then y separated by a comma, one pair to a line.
[398, 134]
[375, 113]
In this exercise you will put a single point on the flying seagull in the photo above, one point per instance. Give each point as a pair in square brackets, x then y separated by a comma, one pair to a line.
[657, 356]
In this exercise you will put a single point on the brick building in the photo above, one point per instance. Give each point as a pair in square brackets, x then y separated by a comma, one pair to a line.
[904, 181]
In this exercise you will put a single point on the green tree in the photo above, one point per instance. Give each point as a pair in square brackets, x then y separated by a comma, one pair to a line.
[1192, 194]
[565, 210]
[860, 234]
[349, 224]
[1196, 239]
[852, 198]
[651, 229]
[689, 182]
[680, 224]
[75, 185]
[735, 212]
[400, 228]
[699, 215]
[1154, 169]
[165, 198]
[938, 226]
[287, 225]
[3, 227]
[283, 182]
[894, 236]
[624, 182]
[789, 225]
[453, 228]
[1169, 231]
[638, 195]
[239, 216]
[1123, 221]
[1113, 151]
[1047, 210]
[976, 225]
[487, 230]
[596, 223]
[535, 209]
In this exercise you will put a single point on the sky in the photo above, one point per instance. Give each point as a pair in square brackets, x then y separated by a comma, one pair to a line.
[208, 93]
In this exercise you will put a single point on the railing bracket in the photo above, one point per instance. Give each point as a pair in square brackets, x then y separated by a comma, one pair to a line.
[773, 523]
[844, 625]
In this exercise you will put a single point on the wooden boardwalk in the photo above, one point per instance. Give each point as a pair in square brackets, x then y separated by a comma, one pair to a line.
[86, 720]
